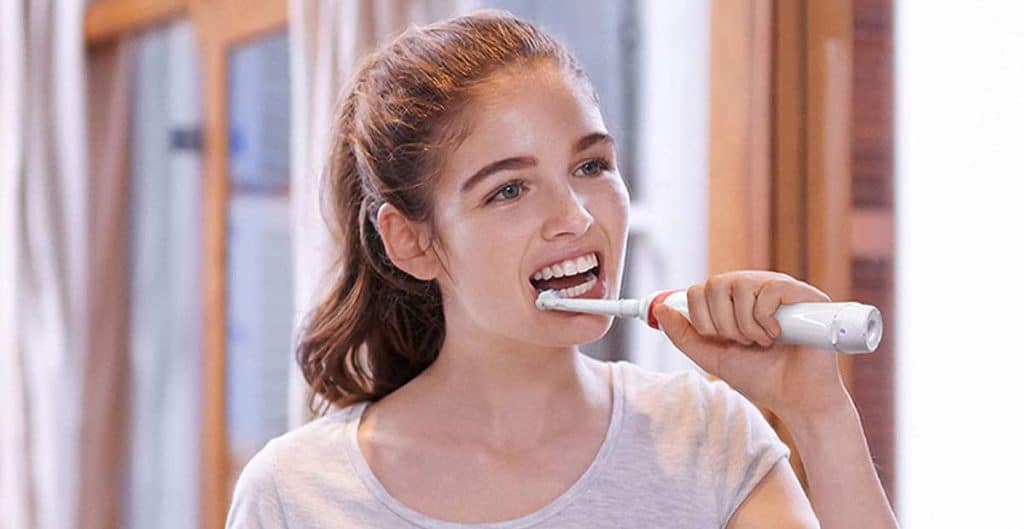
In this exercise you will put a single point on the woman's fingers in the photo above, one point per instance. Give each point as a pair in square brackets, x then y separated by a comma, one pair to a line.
[769, 298]
[740, 306]
[700, 315]
[744, 298]
[720, 304]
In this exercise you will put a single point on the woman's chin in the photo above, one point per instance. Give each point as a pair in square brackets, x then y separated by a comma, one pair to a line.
[577, 329]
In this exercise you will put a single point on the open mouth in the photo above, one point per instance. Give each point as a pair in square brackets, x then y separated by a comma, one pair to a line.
[569, 278]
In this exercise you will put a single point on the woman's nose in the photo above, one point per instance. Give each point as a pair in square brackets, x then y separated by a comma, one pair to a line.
[568, 216]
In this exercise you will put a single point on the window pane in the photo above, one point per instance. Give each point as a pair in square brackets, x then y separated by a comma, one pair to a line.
[259, 274]
[166, 292]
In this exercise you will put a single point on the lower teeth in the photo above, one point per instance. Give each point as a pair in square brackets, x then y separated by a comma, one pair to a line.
[572, 292]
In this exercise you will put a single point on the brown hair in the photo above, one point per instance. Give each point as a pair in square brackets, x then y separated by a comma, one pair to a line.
[379, 327]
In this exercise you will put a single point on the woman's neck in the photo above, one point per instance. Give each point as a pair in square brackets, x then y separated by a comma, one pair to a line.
[509, 396]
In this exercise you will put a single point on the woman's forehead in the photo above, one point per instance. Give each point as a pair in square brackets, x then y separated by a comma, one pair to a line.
[548, 108]
[524, 87]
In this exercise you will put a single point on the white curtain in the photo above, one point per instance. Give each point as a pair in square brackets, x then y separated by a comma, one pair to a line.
[43, 261]
[15, 500]
[327, 39]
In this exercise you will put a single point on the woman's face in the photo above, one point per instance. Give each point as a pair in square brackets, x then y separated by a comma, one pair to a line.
[532, 187]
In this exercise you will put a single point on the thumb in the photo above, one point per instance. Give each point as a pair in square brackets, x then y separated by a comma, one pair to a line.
[675, 325]
[703, 351]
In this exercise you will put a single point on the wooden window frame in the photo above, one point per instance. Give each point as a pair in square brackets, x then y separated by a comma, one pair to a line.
[785, 153]
[220, 26]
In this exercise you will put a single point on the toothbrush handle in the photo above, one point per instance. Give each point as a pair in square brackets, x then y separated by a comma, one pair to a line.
[843, 327]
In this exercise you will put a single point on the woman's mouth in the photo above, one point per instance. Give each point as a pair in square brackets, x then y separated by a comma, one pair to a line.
[569, 278]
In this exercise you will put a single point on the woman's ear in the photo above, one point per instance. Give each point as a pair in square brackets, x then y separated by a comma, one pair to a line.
[407, 243]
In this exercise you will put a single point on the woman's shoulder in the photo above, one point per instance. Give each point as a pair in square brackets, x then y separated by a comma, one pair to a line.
[309, 449]
[709, 430]
[685, 402]
[291, 470]
[686, 387]
[316, 434]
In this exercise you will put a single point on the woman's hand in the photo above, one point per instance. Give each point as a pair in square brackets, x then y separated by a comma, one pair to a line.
[732, 336]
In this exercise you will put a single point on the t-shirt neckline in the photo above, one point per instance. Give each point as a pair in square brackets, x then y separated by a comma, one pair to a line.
[353, 416]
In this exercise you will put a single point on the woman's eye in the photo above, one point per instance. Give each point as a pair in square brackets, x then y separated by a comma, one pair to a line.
[507, 192]
[594, 167]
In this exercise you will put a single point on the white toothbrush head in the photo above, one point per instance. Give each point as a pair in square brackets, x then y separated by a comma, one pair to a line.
[551, 300]
[547, 300]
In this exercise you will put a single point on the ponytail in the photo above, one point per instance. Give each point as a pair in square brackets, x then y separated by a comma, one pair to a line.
[378, 327]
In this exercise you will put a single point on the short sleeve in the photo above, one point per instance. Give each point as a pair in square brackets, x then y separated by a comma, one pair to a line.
[256, 503]
[744, 445]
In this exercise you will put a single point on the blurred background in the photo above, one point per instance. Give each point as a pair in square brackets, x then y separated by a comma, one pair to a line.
[160, 240]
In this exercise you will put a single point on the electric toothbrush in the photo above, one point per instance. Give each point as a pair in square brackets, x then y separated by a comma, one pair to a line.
[844, 327]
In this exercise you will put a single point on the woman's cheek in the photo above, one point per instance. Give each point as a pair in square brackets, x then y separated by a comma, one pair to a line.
[612, 203]
[614, 218]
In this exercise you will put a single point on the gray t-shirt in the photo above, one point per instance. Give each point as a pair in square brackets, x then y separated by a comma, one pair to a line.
[680, 451]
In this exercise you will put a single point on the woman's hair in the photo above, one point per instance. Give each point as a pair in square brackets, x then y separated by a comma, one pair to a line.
[379, 327]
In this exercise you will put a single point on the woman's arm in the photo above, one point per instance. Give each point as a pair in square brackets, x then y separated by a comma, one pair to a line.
[844, 488]
[732, 335]
[777, 502]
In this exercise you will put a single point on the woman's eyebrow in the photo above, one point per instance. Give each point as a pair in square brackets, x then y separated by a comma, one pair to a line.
[525, 162]
[508, 164]
[591, 139]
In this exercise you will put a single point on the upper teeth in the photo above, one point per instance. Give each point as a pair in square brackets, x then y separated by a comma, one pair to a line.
[568, 267]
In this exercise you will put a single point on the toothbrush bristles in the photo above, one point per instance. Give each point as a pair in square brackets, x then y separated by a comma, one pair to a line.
[547, 299]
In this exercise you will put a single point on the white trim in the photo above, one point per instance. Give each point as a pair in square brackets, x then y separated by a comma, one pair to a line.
[669, 223]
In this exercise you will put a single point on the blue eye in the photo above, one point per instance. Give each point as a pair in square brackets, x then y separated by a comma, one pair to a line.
[508, 191]
[594, 167]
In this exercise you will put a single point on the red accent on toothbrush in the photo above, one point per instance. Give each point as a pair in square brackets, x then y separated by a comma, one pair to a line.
[651, 320]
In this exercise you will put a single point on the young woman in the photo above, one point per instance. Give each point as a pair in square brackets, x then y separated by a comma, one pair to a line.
[472, 169]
